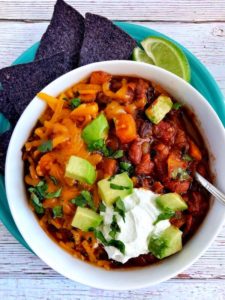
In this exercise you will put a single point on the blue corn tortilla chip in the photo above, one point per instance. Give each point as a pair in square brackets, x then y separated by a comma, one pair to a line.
[21, 83]
[4, 142]
[65, 33]
[104, 41]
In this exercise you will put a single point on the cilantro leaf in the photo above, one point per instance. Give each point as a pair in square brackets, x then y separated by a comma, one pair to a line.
[55, 194]
[85, 198]
[38, 206]
[74, 103]
[118, 187]
[120, 208]
[88, 197]
[180, 174]
[167, 214]
[45, 146]
[99, 235]
[117, 154]
[114, 227]
[117, 244]
[53, 179]
[176, 105]
[125, 166]
[57, 211]
[99, 145]
[187, 157]
[79, 201]
[102, 207]
[96, 145]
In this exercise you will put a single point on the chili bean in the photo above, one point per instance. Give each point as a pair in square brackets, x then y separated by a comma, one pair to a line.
[177, 186]
[145, 130]
[146, 165]
[165, 132]
[135, 153]
[113, 143]
[145, 147]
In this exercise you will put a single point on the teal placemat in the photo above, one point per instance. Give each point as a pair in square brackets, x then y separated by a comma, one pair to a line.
[202, 80]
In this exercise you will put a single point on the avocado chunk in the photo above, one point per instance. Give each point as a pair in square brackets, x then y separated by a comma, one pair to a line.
[171, 201]
[80, 169]
[119, 186]
[96, 130]
[166, 243]
[86, 218]
[158, 109]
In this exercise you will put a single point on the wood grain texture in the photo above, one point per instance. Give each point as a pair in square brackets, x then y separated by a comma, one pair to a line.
[172, 10]
[204, 40]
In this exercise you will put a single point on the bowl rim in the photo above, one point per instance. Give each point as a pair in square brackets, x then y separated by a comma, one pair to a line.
[8, 175]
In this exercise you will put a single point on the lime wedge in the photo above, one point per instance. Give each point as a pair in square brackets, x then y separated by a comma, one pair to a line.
[167, 56]
[140, 55]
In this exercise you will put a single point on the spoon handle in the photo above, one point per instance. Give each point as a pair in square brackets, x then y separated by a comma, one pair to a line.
[210, 188]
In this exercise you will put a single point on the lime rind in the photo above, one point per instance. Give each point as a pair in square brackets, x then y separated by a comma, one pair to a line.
[148, 45]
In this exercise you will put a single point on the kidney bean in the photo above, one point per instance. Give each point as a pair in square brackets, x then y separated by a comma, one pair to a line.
[165, 132]
[135, 153]
[145, 130]
[146, 165]
[113, 143]
[145, 147]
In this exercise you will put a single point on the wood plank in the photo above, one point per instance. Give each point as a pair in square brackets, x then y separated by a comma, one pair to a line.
[144, 10]
[18, 263]
[56, 289]
[204, 40]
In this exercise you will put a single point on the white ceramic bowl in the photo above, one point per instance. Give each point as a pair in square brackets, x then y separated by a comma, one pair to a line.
[76, 269]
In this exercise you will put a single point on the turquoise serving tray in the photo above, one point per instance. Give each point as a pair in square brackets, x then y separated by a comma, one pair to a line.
[201, 79]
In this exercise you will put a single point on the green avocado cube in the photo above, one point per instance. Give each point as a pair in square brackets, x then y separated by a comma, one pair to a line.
[96, 130]
[159, 108]
[111, 188]
[80, 169]
[166, 243]
[171, 201]
[86, 218]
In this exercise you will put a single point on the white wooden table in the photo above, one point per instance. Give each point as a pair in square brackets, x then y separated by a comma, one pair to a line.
[197, 24]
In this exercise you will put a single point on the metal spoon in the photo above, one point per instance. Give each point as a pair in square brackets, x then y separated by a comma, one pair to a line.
[210, 188]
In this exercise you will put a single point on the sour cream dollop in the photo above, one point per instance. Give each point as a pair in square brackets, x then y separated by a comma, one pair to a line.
[136, 228]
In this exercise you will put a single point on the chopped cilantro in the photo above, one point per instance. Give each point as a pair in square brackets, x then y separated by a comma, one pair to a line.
[74, 103]
[120, 208]
[45, 146]
[176, 105]
[55, 194]
[125, 166]
[117, 154]
[84, 199]
[100, 145]
[117, 244]
[187, 157]
[114, 227]
[180, 174]
[53, 179]
[79, 201]
[118, 187]
[102, 207]
[167, 214]
[114, 243]
[57, 211]
[38, 206]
